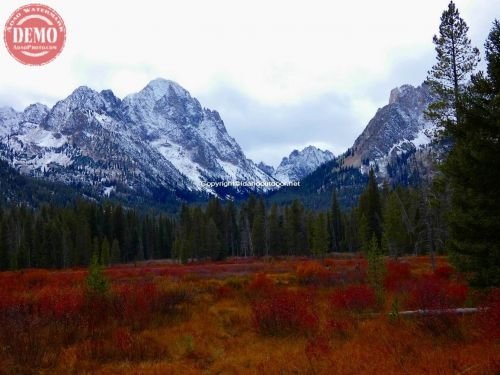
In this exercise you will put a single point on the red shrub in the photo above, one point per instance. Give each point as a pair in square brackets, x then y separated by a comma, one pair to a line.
[223, 291]
[284, 312]
[317, 348]
[260, 285]
[329, 263]
[444, 272]
[35, 277]
[312, 273]
[99, 310]
[398, 273]
[340, 326]
[136, 301]
[432, 293]
[357, 298]
[10, 302]
[60, 303]
[123, 340]
[489, 318]
[456, 294]
[352, 271]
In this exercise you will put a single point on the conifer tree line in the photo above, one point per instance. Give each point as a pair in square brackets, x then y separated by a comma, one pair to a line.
[55, 237]
[396, 218]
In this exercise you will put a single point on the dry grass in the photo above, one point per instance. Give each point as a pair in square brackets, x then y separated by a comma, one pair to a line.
[201, 319]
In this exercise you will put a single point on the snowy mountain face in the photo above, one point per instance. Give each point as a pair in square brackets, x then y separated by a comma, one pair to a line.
[396, 143]
[301, 163]
[398, 129]
[157, 139]
[268, 169]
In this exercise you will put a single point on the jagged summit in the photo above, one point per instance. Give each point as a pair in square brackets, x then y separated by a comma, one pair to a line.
[301, 163]
[160, 87]
[399, 92]
[269, 169]
[397, 129]
[158, 139]
[161, 140]
[35, 113]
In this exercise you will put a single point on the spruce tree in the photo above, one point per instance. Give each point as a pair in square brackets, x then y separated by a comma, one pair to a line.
[213, 244]
[456, 60]
[320, 236]
[276, 243]
[394, 230]
[296, 233]
[97, 283]
[198, 232]
[376, 268]
[370, 212]
[120, 232]
[4, 245]
[183, 245]
[115, 252]
[105, 253]
[259, 229]
[230, 232]
[310, 221]
[472, 171]
[246, 245]
[337, 230]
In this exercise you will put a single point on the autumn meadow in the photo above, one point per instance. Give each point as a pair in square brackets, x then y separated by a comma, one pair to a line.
[248, 316]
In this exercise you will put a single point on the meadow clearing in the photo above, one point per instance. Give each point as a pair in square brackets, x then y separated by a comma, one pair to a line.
[248, 316]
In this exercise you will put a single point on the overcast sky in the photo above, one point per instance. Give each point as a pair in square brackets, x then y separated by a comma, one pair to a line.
[282, 74]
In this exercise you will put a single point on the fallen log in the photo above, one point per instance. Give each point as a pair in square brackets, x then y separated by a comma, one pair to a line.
[458, 311]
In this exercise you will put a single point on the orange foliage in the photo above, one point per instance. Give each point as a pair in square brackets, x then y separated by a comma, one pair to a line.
[312, 273]
[260, 285]
[354, 298]
[284, 312]
[245, 316]
[433, 293]
[397, 276]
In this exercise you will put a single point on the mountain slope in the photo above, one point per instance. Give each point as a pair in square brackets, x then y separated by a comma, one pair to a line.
[268, 169]
[396, 143]
[399, 128]
[301, 163]
[154, 143]
[315, 190]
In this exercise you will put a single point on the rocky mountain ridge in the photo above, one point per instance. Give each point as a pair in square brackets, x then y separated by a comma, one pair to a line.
[157, 140]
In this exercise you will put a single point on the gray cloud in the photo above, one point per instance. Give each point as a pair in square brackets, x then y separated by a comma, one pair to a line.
[20, 99]
[268, 132]
[331, 120]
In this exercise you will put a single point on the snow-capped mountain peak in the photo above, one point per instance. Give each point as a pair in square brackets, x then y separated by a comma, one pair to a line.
[35, 113]
[301, 163]
[161, 87]
[9, 120]
[269, 169]
[397, 129]
[160, 138]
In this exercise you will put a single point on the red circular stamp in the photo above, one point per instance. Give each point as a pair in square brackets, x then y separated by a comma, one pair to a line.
[35, 34]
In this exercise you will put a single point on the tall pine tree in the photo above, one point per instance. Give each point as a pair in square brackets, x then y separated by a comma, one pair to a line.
[337, 230]
[456, 60]
[472, 171]
[276, 239]
[259, 229]
[370, 212]
[394, 229]
[320, 235]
